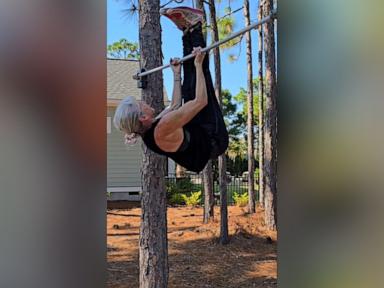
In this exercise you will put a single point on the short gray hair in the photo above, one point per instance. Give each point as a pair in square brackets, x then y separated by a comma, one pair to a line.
[127, 116]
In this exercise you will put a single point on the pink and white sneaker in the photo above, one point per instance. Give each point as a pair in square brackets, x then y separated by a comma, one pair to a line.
[183, 17]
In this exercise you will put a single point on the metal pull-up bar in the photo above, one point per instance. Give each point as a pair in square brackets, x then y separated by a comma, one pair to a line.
[214, 45]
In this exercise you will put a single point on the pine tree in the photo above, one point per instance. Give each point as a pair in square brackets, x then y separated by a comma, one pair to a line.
[224, 238]
[250, 122]
[153, 246]
[270, 159]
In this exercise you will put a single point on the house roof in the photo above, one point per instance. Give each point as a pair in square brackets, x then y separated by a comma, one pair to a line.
[120, 83]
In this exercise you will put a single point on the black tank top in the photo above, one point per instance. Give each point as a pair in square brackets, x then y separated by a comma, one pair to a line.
[192, 155]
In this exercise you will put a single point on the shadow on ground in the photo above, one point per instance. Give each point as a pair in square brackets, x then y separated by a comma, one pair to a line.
[248, 261]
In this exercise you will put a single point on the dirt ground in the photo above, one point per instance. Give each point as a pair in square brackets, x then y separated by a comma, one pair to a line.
[196, 260]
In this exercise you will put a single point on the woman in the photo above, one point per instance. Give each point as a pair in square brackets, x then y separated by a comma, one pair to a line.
[190, 134]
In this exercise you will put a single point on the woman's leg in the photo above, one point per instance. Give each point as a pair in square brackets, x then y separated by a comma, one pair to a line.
[210, 118]
[188, 69]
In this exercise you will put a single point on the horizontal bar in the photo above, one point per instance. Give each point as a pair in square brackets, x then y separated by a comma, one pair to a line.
[212, 46]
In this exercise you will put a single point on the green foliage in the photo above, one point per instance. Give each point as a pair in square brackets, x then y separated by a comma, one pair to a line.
[235, 111]
[225, 28]
[237, 164]
[176, 187]
[236, 125]
[229, 107]
[180, 185]
[171, 187]
[242, 96]
[235, 128]
[239, 121]
[257, 171]
[123, 49]
[226, 25]
[176, 199]
[193, 200]
[237, 148]
[232, 58]
[241, 200]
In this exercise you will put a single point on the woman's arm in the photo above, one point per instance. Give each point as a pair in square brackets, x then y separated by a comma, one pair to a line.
[176, 94]
[178, 118]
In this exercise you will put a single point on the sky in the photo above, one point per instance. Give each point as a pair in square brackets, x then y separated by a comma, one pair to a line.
[234, 74]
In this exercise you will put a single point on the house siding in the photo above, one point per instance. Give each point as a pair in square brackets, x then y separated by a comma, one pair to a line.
[123, 161]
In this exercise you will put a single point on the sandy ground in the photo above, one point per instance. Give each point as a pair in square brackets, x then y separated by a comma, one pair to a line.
[195, 258]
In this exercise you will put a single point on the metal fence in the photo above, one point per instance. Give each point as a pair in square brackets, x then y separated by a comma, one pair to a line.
[194, 182]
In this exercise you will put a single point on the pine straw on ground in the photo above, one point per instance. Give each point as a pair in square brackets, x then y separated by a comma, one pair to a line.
[196, 259]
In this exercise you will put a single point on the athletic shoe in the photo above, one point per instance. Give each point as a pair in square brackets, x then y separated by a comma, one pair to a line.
[183, 17]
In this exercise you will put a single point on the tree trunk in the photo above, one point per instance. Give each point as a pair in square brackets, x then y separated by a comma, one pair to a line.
[209, 200]
[209, 197]
[270, 160]
[153, 246]
[200, 5]
[261, 112]
[224, 238]
[251, 136]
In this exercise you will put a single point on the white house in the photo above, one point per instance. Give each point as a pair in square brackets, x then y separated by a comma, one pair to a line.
[123, 161]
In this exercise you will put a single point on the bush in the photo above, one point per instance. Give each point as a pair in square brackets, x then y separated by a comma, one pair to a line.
[241, 200]
[177, 186]
[176, 199]
[193, 200]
